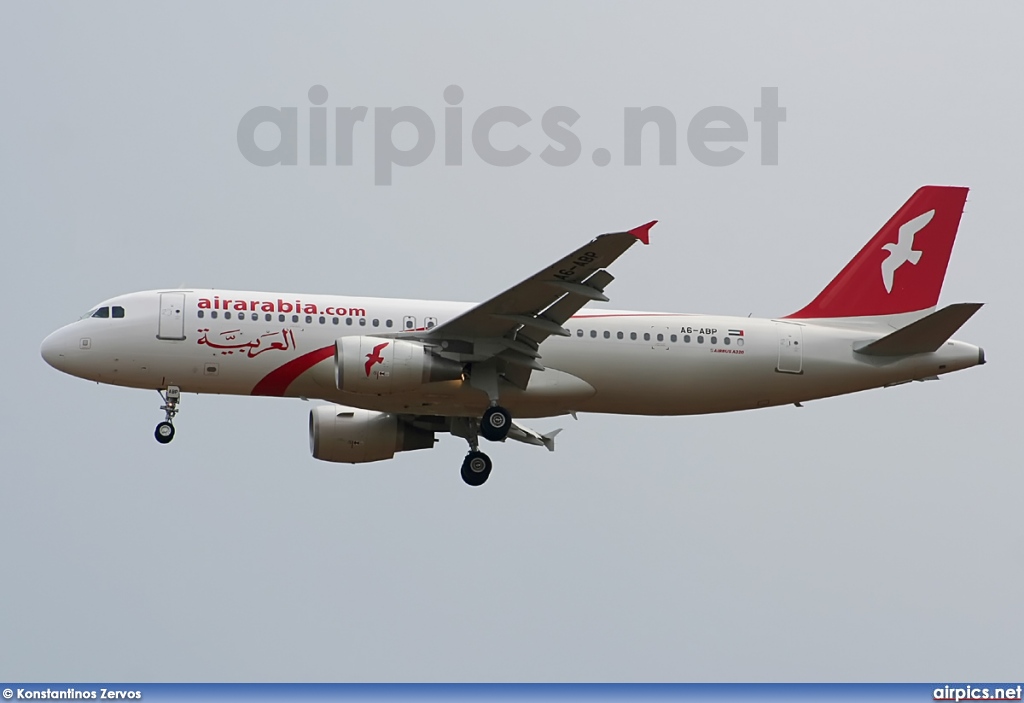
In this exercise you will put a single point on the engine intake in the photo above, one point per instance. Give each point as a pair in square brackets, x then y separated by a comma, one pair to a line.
[379, 366]
[354, 436]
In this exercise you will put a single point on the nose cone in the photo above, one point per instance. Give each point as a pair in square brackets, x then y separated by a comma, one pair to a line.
[54, 350]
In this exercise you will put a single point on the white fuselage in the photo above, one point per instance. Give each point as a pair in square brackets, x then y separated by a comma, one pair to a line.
[257, 343]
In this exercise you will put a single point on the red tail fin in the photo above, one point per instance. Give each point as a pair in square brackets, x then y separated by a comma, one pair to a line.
[902, 268]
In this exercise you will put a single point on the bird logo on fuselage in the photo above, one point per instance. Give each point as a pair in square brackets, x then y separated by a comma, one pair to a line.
[903, 250]
[375, 357]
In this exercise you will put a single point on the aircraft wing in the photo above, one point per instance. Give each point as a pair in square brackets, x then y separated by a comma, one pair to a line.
[511, 326]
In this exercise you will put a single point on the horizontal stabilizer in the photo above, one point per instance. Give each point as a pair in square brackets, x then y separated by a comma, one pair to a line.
[926, 335]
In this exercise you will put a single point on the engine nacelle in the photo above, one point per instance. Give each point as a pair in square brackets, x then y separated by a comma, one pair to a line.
[354, 436]
[377, 366]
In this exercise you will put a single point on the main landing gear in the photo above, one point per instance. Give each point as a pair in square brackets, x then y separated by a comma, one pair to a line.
[495, 423]
[476, 468]
[165, 430]
[494, 426]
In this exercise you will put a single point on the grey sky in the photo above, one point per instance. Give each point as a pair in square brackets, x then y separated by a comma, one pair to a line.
[871, 537]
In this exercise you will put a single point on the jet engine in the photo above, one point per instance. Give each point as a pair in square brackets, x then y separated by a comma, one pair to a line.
[354, 436]
[379, 366]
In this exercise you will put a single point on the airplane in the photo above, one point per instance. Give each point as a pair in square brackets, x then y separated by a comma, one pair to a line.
[395, 373]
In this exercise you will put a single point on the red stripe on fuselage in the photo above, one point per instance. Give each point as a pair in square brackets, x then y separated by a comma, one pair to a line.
[277, 381]
[638, 314]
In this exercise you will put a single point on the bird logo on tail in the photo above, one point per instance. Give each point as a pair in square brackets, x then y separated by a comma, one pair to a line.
[903, 250]
[375, 357]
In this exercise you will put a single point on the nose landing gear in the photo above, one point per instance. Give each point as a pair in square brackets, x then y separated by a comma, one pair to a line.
[165, 430]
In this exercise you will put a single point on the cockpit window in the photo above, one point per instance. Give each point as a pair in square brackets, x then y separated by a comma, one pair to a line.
[105, 312]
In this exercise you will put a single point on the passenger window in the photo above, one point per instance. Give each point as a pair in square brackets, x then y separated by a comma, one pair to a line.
[632, 335]
[727, 341]
[618, 335]
[255, 317]
[647, 336]
[388, 323]
[593, 334]
[268, 317]
[102, 312]
[362, 322]
[213, 314]
[348, 320]
[280, 318]
[714, 340]
[686, 338]
[117, 311]
[739, 342]
[700, 339]
[409, 322]
[323, 319]
[309, 319]
[201, 314]
[334, 320]
[579, 333]
[674, 338]
[295, 318]
[661, 337]
[607, 334]
[430, 322]
[376, 322]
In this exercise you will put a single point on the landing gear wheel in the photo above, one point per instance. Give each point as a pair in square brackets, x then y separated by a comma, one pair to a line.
[476, 467]
[164, 432]
[496, 423]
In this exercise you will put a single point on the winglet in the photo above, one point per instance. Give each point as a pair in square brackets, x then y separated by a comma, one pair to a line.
[643, 232]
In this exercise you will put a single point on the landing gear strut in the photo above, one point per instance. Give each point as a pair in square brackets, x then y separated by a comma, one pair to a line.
[496, 421]
[165, 430]
[476, 467]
